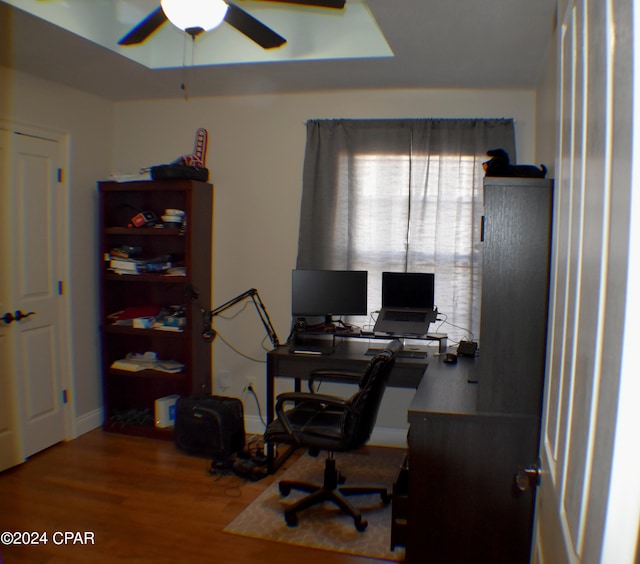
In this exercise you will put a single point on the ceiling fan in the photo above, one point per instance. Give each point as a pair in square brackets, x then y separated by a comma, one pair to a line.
[227, 11]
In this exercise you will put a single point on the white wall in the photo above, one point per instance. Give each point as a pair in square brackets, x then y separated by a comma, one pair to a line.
[88, 122]
[256, 149]
[255, 156]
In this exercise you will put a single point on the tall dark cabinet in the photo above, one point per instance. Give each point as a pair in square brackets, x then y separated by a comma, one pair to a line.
[515, 291]
[129, 395]
[473, 424]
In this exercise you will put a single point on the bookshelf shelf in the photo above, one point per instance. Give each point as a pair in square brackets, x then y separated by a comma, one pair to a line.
[144, 232]
[129, 397]
[125, 330]
[149, 278]
[148, 374]
[140, 430]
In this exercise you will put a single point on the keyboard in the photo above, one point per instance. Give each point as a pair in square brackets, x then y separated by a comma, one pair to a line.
[372, 351]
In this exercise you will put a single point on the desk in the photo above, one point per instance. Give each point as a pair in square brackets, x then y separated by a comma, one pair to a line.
[347, 354]
[463, 506]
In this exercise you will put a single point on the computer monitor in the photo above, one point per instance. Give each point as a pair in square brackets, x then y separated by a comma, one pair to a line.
[328, 293]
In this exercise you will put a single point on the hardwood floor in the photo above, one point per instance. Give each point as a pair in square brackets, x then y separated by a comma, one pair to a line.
[141, 500]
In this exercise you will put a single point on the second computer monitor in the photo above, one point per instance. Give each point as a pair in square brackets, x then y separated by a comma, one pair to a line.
[328, 293]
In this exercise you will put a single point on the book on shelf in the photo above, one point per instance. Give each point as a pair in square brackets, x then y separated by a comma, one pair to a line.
[126, 251]
[125, 264]
[138, 266]
[150, 267]
[127, 315]
[167, 318]
[159, 327]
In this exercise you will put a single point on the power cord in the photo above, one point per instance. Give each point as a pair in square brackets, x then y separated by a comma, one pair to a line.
[250, 389]
[260, 361]
[465, 329]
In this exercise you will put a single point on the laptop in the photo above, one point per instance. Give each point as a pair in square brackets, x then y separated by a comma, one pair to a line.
[407, 303]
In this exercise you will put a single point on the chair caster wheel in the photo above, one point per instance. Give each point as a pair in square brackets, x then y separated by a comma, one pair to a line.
[284, 490]
[291, 520]
[361, 525]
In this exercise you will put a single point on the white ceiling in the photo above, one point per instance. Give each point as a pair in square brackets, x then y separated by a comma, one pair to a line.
[429, 44]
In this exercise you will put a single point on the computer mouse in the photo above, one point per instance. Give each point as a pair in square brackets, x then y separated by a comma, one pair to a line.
[450, 358]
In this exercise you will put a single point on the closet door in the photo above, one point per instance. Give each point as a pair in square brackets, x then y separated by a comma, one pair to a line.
[32, 332]
[10, 449]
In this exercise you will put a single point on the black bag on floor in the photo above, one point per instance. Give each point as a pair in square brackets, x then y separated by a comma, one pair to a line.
[209, 426]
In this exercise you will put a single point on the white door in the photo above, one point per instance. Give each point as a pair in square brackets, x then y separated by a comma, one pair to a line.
[588, 504]
[10, 446]
[33, 287]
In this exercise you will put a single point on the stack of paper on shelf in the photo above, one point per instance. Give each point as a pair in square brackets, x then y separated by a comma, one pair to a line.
[135, 362]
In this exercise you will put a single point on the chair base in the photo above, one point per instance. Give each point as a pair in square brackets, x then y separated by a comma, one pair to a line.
[329, 491]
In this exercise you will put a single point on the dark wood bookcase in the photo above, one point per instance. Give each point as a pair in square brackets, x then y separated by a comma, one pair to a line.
[129, 397]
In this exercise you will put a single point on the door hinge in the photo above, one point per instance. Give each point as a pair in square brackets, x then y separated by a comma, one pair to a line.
[65, 396]
[59, 175]
[60, 288]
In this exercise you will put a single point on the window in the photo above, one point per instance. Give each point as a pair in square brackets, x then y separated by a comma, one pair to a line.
[402, 196]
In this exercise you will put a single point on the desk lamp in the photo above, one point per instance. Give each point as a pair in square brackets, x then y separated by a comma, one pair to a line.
[209, 333]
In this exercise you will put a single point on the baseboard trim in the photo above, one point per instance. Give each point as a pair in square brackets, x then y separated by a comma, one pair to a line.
[253, 425]
[88, 422]
[381, 436]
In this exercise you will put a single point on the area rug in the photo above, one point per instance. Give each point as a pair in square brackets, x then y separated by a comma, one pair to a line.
[324, 526]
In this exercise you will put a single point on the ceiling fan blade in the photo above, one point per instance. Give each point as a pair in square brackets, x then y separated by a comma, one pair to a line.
[251, 27]
[338, 4]
[145, 28]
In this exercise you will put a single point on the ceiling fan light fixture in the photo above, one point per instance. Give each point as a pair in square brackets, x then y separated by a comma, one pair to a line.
[194, 14]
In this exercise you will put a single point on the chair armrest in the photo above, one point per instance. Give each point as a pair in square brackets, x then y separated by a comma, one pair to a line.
[290, 397]
[337, 376]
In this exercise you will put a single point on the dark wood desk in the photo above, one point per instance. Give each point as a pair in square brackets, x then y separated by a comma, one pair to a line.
[463, 503]
[347, 354]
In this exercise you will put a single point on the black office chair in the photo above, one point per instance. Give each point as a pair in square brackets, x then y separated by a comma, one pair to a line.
[325, 422]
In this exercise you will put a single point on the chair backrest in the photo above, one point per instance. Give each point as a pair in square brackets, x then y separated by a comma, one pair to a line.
[365, 403]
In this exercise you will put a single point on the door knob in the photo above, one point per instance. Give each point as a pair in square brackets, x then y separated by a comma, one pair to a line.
[528, 476]
[19, 315]
[16, 316]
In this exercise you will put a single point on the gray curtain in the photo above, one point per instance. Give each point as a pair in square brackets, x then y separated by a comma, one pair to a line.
[401, 195]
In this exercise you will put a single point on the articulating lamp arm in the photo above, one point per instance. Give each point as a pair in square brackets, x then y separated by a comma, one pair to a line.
[209, 334]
